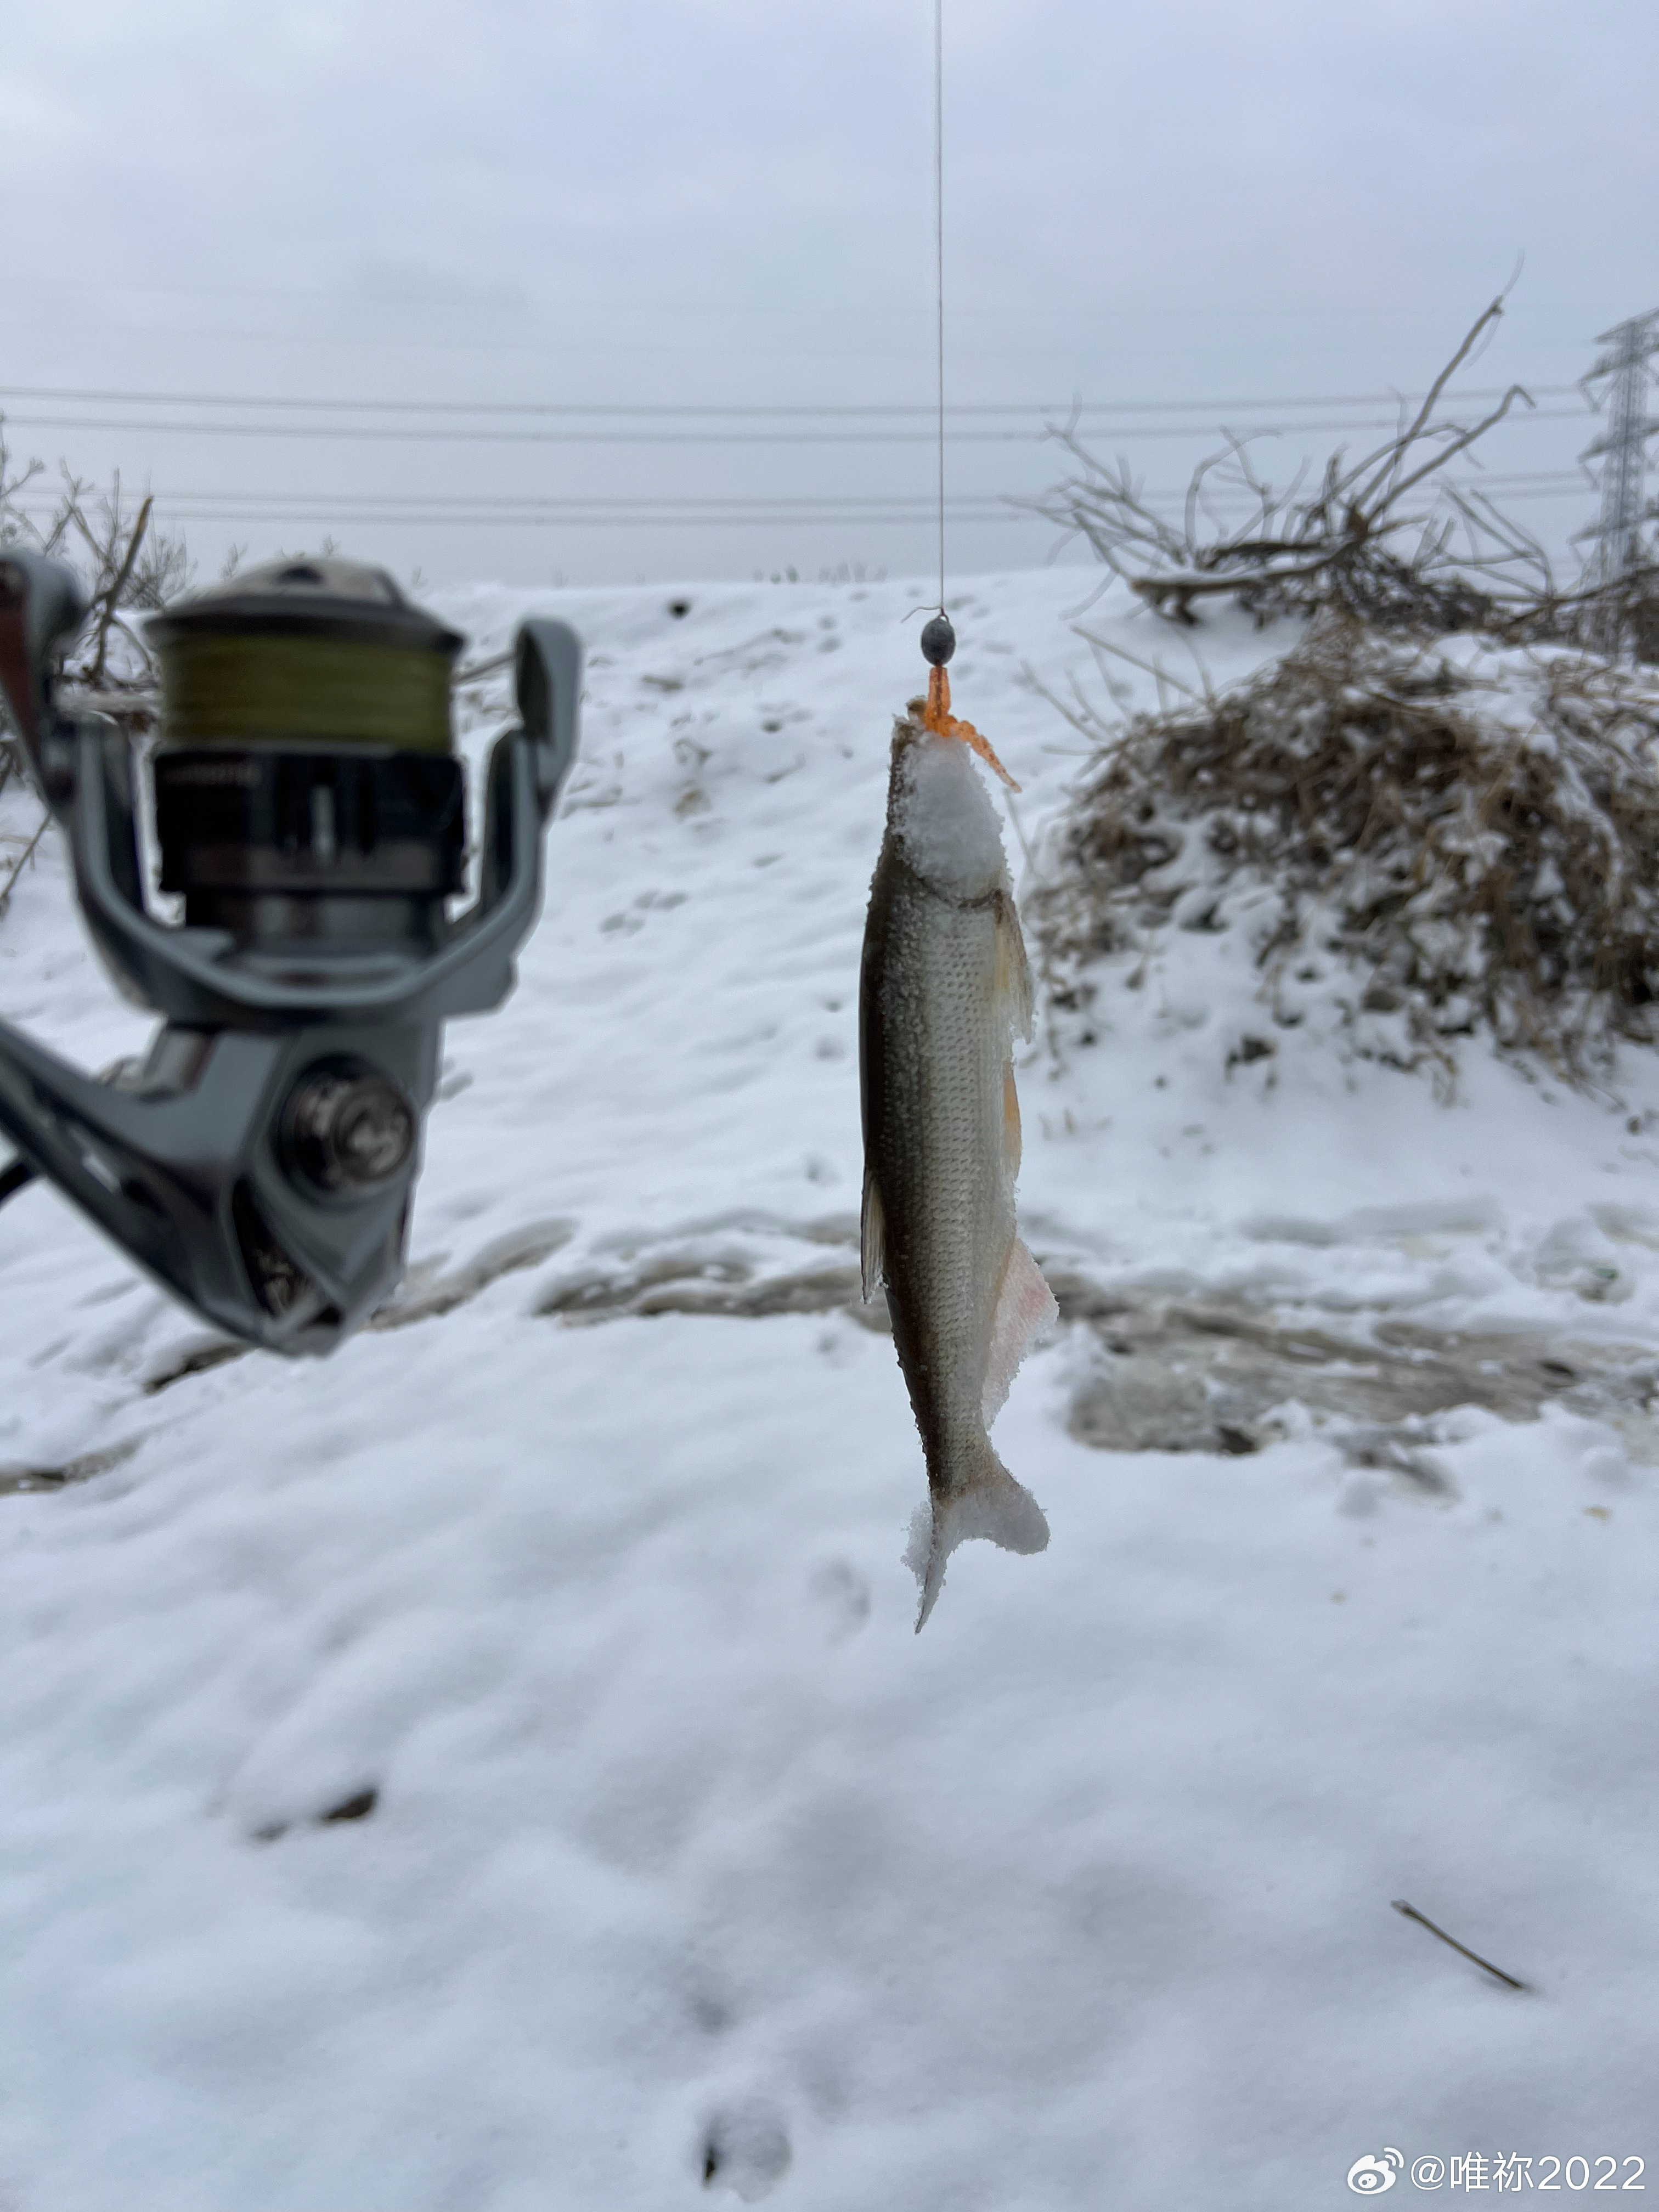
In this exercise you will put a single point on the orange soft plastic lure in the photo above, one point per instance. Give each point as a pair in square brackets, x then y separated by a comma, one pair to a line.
[937, 718]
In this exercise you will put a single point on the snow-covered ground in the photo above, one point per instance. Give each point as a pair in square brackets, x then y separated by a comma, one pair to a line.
[687, 1864]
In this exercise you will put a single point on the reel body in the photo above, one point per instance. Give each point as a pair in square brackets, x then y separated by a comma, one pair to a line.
[311, 814]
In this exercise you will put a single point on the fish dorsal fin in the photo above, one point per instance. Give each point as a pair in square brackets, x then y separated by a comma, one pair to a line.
[1025, 1305]
[873, 1239]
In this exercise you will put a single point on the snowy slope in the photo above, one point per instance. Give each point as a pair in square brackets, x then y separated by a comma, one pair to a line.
[688, 1865]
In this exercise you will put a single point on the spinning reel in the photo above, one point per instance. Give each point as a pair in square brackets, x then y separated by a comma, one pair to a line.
[310, 813]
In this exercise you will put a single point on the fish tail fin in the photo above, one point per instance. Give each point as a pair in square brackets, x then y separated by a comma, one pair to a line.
[990, 1504]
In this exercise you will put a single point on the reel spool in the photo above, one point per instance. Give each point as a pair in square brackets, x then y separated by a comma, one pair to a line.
[306, 783]
[310, 813]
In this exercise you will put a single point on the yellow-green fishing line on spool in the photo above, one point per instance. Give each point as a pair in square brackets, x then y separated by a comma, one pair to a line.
[242, 689]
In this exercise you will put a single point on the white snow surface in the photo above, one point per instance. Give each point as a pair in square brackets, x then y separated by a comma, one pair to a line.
[690, 1867]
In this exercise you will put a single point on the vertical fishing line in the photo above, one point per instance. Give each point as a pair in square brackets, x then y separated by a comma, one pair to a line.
[938, 262]
[939, 640]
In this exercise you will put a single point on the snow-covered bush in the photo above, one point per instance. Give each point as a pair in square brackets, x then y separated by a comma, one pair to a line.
[1466, 836]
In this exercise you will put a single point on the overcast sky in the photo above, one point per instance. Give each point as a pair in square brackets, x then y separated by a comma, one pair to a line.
[711, 205]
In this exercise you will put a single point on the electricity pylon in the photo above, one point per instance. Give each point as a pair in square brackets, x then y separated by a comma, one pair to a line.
[1622, 447]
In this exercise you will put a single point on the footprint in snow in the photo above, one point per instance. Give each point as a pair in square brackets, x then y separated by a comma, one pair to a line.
[841, 1596]
[745, 2148]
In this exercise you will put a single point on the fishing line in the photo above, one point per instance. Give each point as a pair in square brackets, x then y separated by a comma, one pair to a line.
[938, 262]
[938, 639]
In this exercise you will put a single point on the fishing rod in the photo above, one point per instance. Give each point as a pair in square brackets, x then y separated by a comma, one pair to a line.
[310, 811]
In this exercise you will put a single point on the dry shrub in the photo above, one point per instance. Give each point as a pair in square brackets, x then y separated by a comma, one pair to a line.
[127, 567]
[1474, 836]
[1389, 539]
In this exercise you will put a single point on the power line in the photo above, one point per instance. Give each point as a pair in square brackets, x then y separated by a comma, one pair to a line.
[1063, 408]
[487, 512]
[332, 518]
[1494, 481]
[711, 503]
[466, 508]
[335, 432]
[1565, 480]
[42, 502]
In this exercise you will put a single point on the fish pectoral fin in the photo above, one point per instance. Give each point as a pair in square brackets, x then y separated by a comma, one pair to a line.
[990, 1504]
[873, 1239]
[1011, 1141]
[1025, 1306]
[1013, 972]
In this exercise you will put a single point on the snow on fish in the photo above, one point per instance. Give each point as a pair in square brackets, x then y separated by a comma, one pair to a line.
[943, 988]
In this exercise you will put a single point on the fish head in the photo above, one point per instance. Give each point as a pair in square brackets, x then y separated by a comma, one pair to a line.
[939, 813]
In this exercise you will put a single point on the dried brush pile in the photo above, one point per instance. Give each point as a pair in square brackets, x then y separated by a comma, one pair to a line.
[1461, 838]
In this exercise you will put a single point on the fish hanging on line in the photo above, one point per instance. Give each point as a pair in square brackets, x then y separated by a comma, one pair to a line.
[943, 988]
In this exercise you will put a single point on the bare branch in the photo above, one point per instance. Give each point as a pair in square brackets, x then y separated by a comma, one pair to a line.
[23, 861]
[1348, 539]
[1425, 415]
[1463, 439]
[112, 598]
